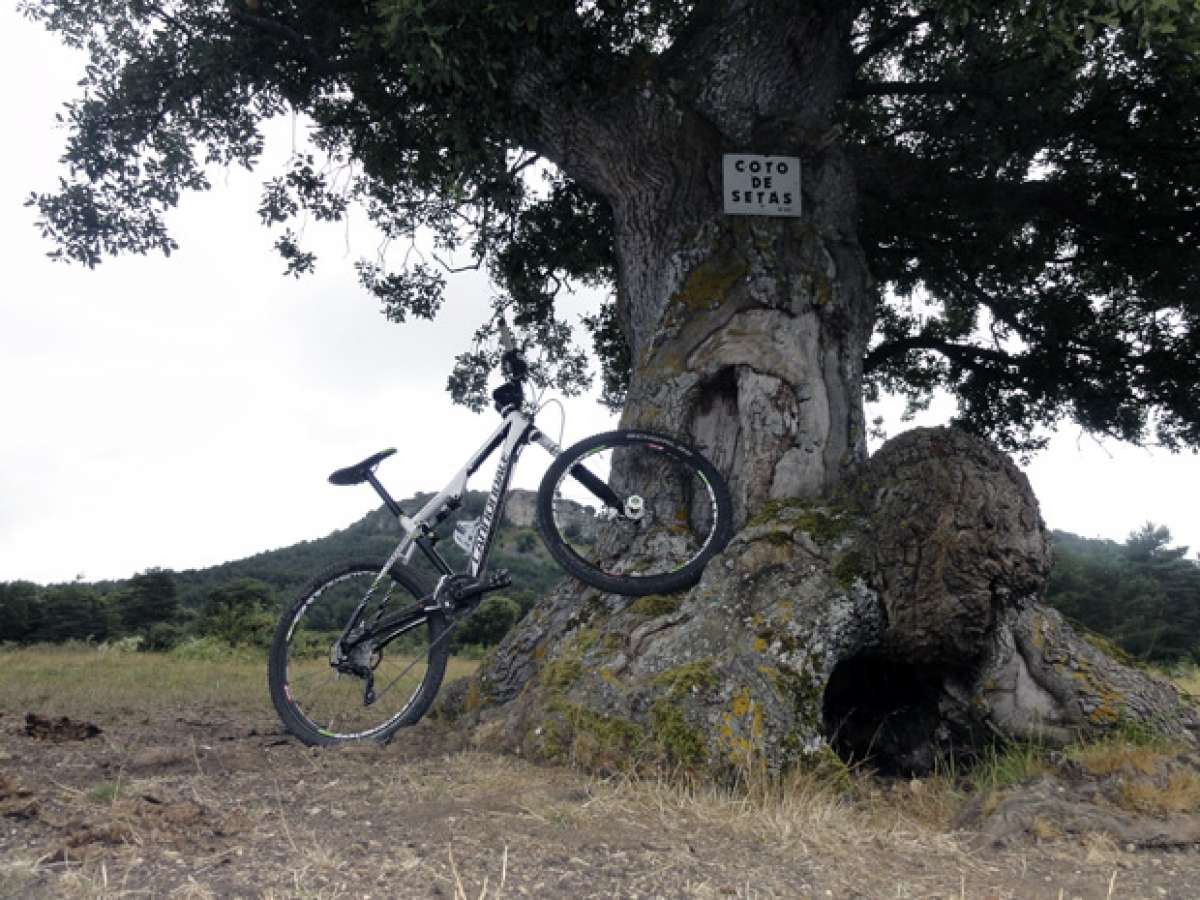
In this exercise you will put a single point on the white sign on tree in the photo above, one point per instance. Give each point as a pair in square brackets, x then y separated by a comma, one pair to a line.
[761, 185]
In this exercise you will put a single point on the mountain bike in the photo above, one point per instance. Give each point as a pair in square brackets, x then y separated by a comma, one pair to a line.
[363, 650]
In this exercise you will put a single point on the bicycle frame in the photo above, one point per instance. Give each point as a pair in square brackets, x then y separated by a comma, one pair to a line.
[511, 437]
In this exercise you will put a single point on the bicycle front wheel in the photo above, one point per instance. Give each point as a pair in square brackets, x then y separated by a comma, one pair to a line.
[633, 512]
[329, 686]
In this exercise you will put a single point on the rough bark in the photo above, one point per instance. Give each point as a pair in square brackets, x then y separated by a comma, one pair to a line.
[757, 357]
[898, 622]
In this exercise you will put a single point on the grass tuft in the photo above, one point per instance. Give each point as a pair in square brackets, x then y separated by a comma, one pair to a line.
[1180, 794]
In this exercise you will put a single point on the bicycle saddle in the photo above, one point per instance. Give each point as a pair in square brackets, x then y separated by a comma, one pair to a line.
[358, 472]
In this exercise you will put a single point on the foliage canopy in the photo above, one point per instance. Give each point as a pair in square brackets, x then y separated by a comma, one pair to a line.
[1029, 171]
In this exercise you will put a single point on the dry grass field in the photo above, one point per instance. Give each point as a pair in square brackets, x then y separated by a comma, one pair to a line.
[190, 789]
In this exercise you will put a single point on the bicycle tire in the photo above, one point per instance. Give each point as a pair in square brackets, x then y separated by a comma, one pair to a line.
[687, 510]
[323, 706]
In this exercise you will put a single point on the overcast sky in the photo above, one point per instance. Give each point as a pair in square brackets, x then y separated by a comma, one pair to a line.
[184, 412]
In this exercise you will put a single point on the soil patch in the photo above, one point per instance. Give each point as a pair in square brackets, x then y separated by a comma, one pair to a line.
[58, 730]
[214, 804]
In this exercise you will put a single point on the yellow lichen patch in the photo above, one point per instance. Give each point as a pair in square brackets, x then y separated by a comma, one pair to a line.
[741, 703]
[711, 281]
[1109, 710]
[1111, 704]
[653, 605]
[1038, 637]
[760, 645]
[684, 679]
[741, 734]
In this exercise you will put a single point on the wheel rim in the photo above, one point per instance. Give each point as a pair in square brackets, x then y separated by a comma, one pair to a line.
[332, 701]
[673, 526]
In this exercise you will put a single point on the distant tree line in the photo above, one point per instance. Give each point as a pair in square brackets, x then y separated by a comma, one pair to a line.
[238, 603]
[240, 612]
[146, 607]
[1142, 594]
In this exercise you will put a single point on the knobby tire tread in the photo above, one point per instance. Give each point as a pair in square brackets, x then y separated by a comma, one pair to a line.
[637, 586]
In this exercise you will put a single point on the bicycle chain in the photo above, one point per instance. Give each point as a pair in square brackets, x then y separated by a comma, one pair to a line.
[454, 617]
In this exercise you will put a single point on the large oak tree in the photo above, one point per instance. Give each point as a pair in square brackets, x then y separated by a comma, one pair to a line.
[999, 199]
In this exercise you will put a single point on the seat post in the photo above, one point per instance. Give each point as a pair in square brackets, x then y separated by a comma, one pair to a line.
[382, 491]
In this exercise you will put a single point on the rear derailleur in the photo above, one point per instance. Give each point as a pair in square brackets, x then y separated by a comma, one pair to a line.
[360, 661]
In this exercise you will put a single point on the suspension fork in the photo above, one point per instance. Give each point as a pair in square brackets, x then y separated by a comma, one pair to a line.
[599, 489]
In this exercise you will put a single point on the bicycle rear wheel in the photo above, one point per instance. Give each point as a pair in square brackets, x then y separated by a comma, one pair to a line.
[327, 689]
[633, 512]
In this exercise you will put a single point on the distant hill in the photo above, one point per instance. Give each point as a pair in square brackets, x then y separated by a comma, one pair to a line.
[518, 548]
[164, 608]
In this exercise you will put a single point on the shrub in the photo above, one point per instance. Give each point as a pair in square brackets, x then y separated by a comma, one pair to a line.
[163, 636]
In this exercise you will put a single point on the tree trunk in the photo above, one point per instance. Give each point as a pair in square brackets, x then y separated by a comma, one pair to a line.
[756, 356]
[747, 333]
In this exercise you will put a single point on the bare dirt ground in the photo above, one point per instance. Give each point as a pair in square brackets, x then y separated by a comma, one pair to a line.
[194, 796]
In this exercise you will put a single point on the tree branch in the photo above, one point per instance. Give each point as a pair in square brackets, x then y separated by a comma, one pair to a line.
[965, 354]
[897, 32]
[292, 38]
